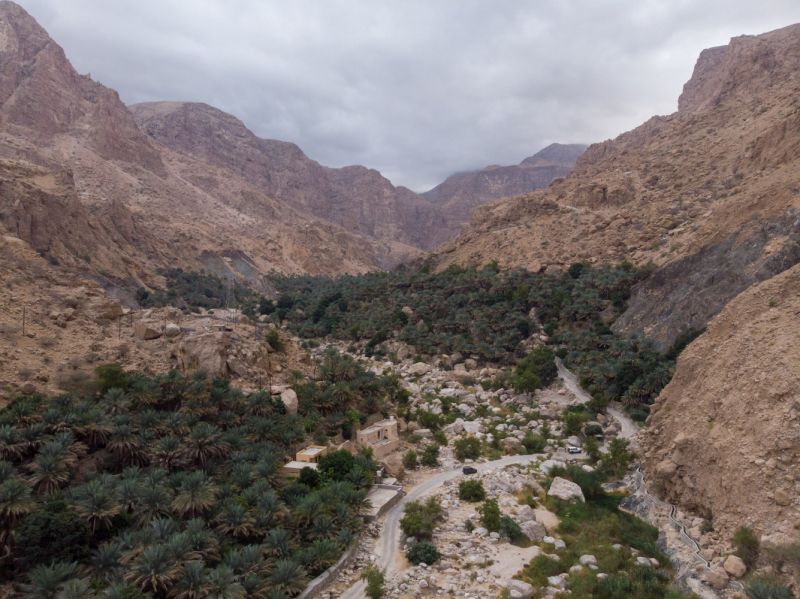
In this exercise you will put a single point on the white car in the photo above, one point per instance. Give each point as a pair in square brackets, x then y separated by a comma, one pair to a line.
[573, 449]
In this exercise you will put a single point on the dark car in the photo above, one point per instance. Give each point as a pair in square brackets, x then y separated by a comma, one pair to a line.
[469, 470]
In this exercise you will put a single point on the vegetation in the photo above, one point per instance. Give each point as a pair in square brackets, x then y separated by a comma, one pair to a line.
[173, 486]
[471, 491]
[767, 587]
[423, 553]
[375, 577]
[467, 448]
[410, 459]
[420, 519]
[593, 528]
[490, 515]
[430, 456]
[510, 529]
[193, 289]
[747, 545]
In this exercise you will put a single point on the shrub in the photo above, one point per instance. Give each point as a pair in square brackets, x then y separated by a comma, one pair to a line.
[534, 444]
[469, 525]
[747, 545]
[573, 423]
[468, 448]
[420, 519]
[440, 438]
[414, 438]
[590, 430]
[410, 459]
[510, 529]
[375, 577]
[274, 339]
[111, 376]
[309, 477]
[337, 464]
[423, 553]
[490, 515]
[766, 587]
[471, 490]
[56, 533]
[430, 457]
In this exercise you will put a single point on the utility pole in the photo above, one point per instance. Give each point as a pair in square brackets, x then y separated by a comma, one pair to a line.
[23, 321]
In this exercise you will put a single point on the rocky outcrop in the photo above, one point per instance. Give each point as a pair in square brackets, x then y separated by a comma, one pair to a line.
[705, 194]
[208, 352]
[724, 435]
[460, 194]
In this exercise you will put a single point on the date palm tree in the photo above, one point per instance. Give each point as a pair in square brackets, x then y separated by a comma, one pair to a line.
[278, 543]
[154, 502]
[235, 520]
[16, 502]
[193, 583]
[195, 494]
[222, 584]
[47, 580]
[76, 589]
[115, 401]
[124, 444]
[49, 472]
[107, 561]
[259, 404]
[287, 576]
[168, 454]
[204, 444]
[153, 571]
[202, 539]
[270, 510]
[11, 445]
[96, 501]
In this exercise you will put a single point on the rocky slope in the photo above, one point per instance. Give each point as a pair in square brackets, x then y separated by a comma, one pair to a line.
[459, 194]
[707, 194]
[74, 144]
[724, 435]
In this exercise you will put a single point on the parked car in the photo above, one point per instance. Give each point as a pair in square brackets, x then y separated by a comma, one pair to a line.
[573, 449]
[469, 470]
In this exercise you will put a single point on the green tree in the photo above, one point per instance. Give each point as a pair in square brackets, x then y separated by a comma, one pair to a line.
[490, 515]
[471, 491]
[410, 459]
[55, 533]
[592, 449]
[423, 553]
[747, 545]
[336, 465]
[420, 520]
[430, 456]
[468, 448]
[375, 577]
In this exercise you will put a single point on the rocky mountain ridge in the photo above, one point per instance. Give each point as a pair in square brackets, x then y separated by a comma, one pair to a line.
[706, 194]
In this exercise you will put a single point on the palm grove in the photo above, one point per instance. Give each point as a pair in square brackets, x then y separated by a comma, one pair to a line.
[172, 486]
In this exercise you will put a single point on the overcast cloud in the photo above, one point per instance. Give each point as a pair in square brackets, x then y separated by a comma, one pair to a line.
[416, 89]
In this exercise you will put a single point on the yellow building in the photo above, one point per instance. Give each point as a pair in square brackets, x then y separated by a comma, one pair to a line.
[311, 454]
[381, 436]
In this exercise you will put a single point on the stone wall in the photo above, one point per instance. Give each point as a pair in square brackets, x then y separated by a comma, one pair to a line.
[324, 580]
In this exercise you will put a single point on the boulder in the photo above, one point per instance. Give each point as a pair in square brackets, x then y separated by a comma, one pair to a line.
[535, 531]
[511, 442]
[782, 497]
[289, 399]
[425, 433]
[557, 582]
[27, 388]
[473, 427]
[524, 589]
[735, 566]
[419, 369]
[525, 513]
[172, 330]
[717, 578]
[393, 464]
[145, 330]
[207, 352]
[547, 414]
[666, 469]
[564, 489]
[470, 364]
[574, 441]
[412, 426]
[588, 560]
[547, 465]
[109, 308]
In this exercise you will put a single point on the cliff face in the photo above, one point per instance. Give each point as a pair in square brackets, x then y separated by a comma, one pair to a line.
[84, 185]
[706, 194]
[724, 435]
[460, 194]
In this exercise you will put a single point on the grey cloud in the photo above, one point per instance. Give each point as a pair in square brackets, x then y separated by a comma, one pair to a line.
[416, 89]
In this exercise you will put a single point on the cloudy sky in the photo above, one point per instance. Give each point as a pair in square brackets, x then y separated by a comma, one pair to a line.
[416, 89]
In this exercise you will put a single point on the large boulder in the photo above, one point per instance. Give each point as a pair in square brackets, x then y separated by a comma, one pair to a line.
[289, 399]
[208, 351]
[735, 566]
[535, 531]
[524, 589]
[565, 489]
[511, 442]
[717, 578]
[525, 514]
[547, 518]
[146, 330]
[472, 427]
[172, 330]
[419, 369]
[108, 308]
[393, 464]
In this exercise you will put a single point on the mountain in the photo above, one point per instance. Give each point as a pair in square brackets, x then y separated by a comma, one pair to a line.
[708, 194]
[459, 194]
[724, 435]
[90, 191]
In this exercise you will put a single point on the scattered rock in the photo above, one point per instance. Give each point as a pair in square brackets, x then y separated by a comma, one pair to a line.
[564, 489]
[735, 566]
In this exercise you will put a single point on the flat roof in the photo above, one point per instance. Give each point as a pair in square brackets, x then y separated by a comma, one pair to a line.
[295, 465]
[383, 442]
[312, 450]
[373, 428]
[387, 421]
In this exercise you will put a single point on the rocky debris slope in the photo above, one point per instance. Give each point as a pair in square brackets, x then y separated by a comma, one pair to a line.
[460, 194]
[71, 325]
[724, 435]
[708, 194]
